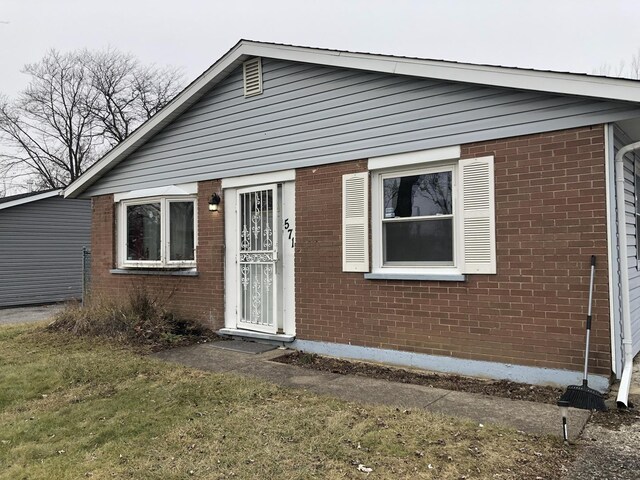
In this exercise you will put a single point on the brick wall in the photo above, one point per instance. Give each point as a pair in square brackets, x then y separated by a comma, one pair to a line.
[550, 218]
[200, 297]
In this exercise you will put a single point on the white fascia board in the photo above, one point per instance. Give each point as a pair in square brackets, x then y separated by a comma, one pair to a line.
[165, 116]
[510, 77]
[168, 191]
[33, 198]
[329, 58]
[551, 82]
[414, 158]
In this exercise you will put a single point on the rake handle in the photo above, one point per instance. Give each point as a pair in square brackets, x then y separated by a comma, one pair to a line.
[589, 318]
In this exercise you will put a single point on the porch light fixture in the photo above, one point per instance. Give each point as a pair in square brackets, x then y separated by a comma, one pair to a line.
[564, 411]
[214, 201]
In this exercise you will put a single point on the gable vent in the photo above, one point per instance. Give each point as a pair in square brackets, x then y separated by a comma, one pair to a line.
[252, 70]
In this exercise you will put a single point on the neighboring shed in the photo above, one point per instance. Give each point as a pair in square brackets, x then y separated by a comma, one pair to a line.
[41, 240]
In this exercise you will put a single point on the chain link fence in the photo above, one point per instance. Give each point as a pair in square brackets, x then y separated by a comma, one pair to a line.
[86, 273]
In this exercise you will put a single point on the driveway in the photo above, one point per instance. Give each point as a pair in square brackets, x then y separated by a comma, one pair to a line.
[28, 314]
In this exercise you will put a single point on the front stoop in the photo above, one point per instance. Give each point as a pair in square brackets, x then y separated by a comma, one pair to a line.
[279, 339]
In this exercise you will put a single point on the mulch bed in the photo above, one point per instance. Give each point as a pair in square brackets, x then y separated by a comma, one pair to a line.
[498, 388]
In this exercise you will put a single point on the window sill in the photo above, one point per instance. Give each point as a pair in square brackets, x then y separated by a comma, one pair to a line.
[188, 272]
[436, 277]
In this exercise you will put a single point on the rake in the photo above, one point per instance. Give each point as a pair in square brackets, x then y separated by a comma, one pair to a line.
[582, 396]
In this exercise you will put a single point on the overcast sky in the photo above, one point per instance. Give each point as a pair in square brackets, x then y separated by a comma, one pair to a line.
[564, 35]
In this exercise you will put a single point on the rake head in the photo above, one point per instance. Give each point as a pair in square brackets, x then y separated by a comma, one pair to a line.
[581, 396]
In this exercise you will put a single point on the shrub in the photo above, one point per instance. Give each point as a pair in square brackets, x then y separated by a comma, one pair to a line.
[139, 319]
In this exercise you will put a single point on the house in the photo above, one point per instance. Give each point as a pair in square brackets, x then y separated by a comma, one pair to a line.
[41, 240]
[419, 212]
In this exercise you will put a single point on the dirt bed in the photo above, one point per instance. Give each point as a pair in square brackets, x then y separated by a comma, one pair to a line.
[614, 419]
[499, 388]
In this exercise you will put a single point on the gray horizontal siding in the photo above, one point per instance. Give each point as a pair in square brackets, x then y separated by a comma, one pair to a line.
[41, 251]
[633, 258]
[311, 115]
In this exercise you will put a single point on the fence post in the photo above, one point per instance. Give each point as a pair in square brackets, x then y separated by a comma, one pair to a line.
[86, 273]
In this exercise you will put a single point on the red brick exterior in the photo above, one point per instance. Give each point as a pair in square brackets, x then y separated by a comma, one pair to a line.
[200, 297]
[550, 218]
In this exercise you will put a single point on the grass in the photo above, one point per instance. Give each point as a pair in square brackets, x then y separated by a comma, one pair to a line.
[86, 408]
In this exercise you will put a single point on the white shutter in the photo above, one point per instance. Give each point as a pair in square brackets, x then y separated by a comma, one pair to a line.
[252, 73]
[355, 223]
[478, 215]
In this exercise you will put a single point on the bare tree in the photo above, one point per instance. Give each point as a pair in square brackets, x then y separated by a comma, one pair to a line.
[129, 93]
[624, 69]
[76, 107]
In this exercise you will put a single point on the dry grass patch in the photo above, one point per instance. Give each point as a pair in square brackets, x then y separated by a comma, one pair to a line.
[72, 408]
[142, 319]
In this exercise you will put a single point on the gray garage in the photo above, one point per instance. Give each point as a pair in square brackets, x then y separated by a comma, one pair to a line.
[41, 240]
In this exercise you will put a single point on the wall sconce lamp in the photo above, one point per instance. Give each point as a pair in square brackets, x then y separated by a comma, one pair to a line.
[214, 201]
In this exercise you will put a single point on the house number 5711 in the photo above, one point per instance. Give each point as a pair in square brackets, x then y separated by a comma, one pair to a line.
[287, 228]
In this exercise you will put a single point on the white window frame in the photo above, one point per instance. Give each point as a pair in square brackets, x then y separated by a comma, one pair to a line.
[377, 219]
[164, 261]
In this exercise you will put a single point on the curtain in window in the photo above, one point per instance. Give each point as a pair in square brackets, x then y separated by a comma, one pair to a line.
[143, 232]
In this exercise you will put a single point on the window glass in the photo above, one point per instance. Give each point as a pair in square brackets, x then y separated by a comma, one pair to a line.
[256, 218]
[417, 242]
[417, 195]
[143, 231]
[181, 235]
[417, 222]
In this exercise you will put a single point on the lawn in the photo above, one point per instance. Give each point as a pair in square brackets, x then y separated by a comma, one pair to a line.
[79, 408]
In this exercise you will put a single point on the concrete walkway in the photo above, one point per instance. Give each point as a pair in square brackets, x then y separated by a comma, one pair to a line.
[530, 417]
[28, 314]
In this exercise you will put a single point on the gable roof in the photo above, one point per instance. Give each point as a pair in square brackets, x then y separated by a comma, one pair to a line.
[22, 198]
[509, 77]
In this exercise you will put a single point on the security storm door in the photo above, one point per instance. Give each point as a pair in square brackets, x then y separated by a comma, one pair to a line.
[258, 258]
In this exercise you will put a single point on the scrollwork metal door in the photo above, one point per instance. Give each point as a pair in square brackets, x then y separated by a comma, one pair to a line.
[257, 258]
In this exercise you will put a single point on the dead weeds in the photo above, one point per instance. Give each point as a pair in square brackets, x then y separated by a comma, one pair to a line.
[142, 319]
